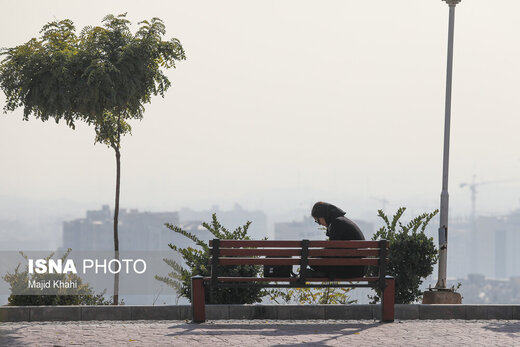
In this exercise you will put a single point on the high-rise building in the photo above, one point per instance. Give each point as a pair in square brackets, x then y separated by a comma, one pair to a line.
[137, 230]
[488, 249]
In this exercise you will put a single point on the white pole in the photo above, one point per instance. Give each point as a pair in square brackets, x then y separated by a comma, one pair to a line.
[443, 229]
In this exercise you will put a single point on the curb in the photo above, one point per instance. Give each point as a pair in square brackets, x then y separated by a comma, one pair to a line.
[271, 312]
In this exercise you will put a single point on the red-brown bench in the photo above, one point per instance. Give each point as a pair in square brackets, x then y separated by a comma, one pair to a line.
[303, 253]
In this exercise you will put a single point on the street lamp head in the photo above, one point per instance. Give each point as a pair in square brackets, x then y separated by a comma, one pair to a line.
[452, 2]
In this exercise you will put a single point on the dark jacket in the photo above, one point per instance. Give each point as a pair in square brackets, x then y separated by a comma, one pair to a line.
[342, 228]
[339, 227]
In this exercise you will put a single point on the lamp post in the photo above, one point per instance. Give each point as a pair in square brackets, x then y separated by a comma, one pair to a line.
[443, 229]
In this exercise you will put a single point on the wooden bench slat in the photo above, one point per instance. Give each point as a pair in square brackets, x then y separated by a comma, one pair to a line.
[256, 243]
[345, 244]
[292, 279]
[354, 279]
[343, 252]
[297, 252]
[343, 261]
[295, 244]
[259, 252]
[259, 261]
[254, 279]
[296, 261]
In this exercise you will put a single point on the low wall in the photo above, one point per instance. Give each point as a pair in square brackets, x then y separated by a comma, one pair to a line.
[283, 312]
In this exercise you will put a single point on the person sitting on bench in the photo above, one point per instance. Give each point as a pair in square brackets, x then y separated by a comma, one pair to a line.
[338, 228]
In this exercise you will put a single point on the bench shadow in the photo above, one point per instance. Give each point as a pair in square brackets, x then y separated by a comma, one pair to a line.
[9, 337]
[512, 329]
[273, 329]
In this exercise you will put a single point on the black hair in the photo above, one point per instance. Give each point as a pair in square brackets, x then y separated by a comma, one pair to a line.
[325, 210]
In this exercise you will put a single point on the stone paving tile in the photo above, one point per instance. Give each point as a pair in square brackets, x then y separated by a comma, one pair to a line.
[263, 333]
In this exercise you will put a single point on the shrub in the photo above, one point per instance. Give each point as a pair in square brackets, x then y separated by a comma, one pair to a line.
[412, 254]
[22, 295]
[197, 263]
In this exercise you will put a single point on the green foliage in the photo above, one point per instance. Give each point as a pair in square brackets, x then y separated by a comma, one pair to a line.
[197, 262]
[109, 130]
[106, 70]
[311, 295]
[25, 296]
[412, 254]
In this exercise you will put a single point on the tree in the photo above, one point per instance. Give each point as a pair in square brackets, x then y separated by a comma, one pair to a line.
[102, 77]
[197, 260]
[412, 254]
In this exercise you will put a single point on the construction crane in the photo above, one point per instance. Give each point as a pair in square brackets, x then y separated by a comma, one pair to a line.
[473, 188]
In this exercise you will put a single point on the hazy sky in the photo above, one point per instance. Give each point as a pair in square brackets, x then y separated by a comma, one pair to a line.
[282, 103]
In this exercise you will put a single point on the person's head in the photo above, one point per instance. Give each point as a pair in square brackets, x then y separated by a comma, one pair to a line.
[323, 213]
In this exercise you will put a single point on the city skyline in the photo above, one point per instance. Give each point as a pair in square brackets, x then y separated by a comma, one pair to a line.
[144, 231]
[496, 236]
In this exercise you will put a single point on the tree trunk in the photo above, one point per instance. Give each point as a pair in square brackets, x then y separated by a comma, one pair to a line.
[116, 221]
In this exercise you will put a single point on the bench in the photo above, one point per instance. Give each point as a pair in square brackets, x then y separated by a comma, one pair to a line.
[302, 253]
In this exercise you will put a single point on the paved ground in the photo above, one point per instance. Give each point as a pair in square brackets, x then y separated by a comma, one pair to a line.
[263, 333]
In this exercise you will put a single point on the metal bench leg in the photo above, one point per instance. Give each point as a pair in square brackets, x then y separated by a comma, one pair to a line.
[388, 300]
[198, 306]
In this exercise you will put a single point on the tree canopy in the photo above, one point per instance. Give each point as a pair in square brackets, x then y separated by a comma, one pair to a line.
[105, 70]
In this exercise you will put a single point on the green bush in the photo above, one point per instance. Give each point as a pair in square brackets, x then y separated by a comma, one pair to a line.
[197, 263]
[412, 254]
[25, 296]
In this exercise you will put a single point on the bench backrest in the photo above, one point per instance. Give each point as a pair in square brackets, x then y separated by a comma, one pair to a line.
[303, 253]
